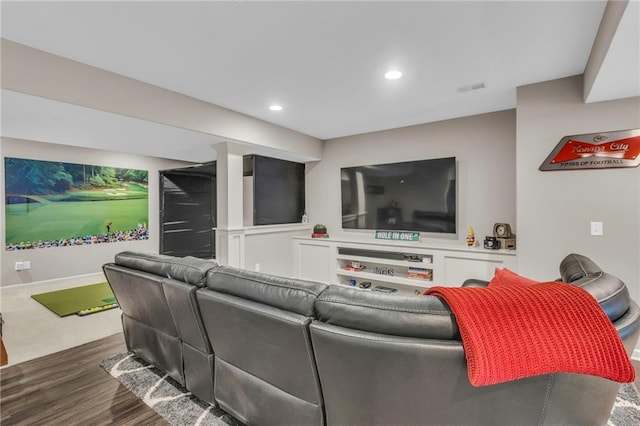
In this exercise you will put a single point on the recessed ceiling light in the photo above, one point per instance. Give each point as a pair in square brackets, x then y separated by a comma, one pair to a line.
[393, 75]
[275, 108]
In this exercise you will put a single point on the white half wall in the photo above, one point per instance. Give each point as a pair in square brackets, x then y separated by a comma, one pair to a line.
[269, 248]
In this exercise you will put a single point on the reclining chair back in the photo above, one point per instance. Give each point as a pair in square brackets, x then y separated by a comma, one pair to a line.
[160, 315]
[259, 328]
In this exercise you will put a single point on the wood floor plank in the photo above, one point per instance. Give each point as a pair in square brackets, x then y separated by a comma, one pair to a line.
[70, 388]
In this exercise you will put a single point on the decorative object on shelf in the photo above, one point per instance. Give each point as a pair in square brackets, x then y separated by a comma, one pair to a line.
[471, 237]
[507, 243]
[384, 289]
[354, 266]
[595, 151]
[384, 270]
[365, 284]
[491, 243]
[421, 273]
[505, 238]
[412, 257]
[305, 217]
[397, 235]
[319, 231]
[502, 230]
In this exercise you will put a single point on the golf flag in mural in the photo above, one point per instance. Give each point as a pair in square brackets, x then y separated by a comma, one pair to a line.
[55, 204]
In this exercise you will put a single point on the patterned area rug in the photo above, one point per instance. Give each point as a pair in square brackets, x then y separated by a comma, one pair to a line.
[166, 396]
[180, 408]
[626, 410]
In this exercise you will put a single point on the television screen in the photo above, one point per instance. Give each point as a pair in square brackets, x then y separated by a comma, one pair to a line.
[410, 196]
[278, 191]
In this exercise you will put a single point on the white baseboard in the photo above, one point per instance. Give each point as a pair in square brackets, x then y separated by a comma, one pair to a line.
[76, 278]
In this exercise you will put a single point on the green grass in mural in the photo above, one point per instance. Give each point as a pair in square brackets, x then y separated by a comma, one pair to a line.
[69, 219]
[77, 299]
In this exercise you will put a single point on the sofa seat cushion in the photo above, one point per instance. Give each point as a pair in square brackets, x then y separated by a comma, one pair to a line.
[191, 270]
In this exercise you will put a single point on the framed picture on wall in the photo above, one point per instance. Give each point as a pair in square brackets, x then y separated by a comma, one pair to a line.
[55, 204]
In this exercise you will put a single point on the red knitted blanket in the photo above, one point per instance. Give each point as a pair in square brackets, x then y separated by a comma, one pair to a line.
[518, 328]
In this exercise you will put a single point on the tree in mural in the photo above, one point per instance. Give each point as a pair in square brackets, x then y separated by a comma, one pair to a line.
[35, 177]
[47, 177]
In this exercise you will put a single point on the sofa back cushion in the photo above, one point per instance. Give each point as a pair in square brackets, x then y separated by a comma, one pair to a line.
[181, 299]
[148, 325]
[190, 270]
[284, 293]
[258, 326]
[140, 295]
[408, 316]
[266, 342]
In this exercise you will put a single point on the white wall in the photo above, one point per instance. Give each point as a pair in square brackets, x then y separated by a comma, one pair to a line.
[272, 248]
[555, 208]
[484, 146]
[35, 72]
[59, 262]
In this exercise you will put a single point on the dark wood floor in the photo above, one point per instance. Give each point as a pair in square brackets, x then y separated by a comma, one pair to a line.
[70, 388]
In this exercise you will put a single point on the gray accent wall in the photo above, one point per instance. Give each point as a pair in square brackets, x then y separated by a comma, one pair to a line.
[555, 208]
[60, 262]
[484, 146]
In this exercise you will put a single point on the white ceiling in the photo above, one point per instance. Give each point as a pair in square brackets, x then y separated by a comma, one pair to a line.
[322, 61]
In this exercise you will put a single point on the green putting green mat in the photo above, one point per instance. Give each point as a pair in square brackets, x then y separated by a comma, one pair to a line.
[78, 300]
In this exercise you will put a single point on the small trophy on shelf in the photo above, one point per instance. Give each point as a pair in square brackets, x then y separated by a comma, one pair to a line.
[471, 237]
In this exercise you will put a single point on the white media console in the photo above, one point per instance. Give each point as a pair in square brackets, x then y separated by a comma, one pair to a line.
[404, 266]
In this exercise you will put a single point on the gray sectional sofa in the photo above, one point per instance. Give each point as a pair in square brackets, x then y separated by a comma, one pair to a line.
[279, 351]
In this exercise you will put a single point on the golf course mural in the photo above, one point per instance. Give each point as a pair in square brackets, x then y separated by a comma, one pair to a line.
[54, 204]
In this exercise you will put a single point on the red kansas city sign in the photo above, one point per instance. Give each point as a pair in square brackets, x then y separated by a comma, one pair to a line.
[595, 151]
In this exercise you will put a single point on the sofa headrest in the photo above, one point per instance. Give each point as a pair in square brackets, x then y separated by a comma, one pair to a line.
[610, 292]
[576, 266]
[284, 293]
[190, 270]
[425, 317]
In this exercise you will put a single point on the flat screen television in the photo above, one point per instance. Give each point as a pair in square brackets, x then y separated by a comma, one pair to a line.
[410, 196]
[278, 190]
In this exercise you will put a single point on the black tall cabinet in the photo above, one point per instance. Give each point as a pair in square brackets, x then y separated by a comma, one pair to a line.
[188, 211]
